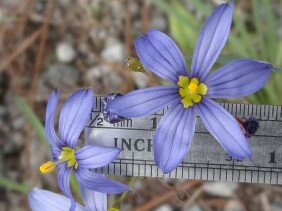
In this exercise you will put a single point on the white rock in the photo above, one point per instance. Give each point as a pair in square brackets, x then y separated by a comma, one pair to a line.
[233, 205]
[114, 51]
[140, 79]
[164, 207]
[222, 189]
[65, 52]
[195, 207]
[103, 79]
[96, 72]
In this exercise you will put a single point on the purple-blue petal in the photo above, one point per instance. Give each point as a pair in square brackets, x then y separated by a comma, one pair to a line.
[94, 201]
[49, 123]
[143, 101]
[223, 126]
[239, 78]
[160, 54]
[63, 181]
[211, 41]
[74, 116]
[42, 200]
[99, 183]
[94, 156]
[173, 137]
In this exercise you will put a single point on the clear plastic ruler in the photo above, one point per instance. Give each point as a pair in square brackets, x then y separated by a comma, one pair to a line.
[206, 159]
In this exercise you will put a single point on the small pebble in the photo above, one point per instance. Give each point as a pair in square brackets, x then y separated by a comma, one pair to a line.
[222, 189]
[114, 51]
[65, 52]
[140, 79]
[233, 205]
[194, 207]
[164, 207]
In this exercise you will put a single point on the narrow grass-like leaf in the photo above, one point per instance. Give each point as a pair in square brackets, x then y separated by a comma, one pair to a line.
[278, 60]
[206, 9]
[245, 36]
[34, 120]
[184, 36]
[258, 20]
[12, 185]
[39, 129]
[234, 42]
[270, 31]
[171, 11]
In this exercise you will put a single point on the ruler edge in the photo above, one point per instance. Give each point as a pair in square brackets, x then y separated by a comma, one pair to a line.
[230, 107]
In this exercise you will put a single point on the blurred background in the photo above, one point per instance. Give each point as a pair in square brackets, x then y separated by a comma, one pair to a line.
[71, 44]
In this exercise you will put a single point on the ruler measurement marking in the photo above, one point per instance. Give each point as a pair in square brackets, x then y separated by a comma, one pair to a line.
[258, 174]
[238, 109]
[268, 115]
[196, 132]
[253, 171]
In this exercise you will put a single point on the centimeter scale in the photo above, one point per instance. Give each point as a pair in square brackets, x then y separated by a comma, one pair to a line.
[206, 159]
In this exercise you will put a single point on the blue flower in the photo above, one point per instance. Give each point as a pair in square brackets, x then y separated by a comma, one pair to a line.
[43, 200]
[68, 156]
[191, 92]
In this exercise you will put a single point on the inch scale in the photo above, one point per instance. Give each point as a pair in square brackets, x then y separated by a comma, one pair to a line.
[206, 159]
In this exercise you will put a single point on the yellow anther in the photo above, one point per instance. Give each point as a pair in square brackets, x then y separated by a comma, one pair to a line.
[67, 155]
[47, 167]
[191, 91]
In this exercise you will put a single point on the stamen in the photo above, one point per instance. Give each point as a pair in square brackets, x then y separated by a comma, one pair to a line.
[67, 155]
[191, 91]
[47, 167]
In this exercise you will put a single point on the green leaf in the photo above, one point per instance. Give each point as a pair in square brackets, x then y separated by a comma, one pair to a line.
[245, 36]
[34, 120]
[39, 128]
[258, 20]
[12, 185]
[270, 31]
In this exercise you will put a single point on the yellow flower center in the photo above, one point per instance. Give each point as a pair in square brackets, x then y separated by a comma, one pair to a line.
[67, 155]
[191, 91]
[193, 87]
[113, 209]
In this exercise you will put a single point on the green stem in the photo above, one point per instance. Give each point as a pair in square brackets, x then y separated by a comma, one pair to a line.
[12, 185]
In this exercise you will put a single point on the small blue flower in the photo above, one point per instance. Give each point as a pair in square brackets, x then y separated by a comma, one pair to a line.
[109, 117]
[191, 92]
[43, 200]
[68, 156]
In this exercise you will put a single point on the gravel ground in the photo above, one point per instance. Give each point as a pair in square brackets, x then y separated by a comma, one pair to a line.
[71, 44]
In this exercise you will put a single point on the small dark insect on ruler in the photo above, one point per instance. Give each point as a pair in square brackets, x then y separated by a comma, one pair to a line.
[206, 159]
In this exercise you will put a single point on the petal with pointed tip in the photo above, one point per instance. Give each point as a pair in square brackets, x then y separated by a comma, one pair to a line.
[94, 201]
[42, 200]
[74, 116]
[223, 126]
[239, 78]
[63, 181]
[159, 54]
[49, 123]
[143, 101]
[97, 182]
[94, 156]
[173, 137]
[211, 41]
